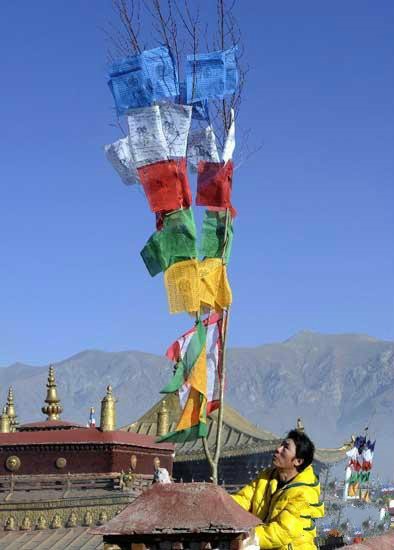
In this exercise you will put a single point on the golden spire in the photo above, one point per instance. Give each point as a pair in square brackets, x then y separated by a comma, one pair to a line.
[300, 425]
[11, 413]
[53, 409]
[163, 419]
[108, 412]
[5, 422]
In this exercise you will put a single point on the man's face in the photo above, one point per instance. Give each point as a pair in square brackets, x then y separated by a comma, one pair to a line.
[285, 456]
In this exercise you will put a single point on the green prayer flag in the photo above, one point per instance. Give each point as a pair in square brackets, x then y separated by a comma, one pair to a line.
[177, 380]
[216, 239]
[182, 436]
[186, 364]
[174, 243]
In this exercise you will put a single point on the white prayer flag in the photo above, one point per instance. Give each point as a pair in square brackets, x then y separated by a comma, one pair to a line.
[147, 141]
[229, 145]
[119, 155]
[202, 146]
[175, 121]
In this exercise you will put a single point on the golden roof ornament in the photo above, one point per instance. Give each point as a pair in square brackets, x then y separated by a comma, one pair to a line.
[163, 419]
[108, 412]
[300, 425]
[5, 427]
[53, 409]
[11, 413]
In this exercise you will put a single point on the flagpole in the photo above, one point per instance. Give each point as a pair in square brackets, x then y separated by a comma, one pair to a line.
[214, 460]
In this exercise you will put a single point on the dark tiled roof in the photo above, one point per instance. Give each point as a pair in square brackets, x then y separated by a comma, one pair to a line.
[55, 539]
[80, 436]
[50, 425]
[239, 436]
[181, 508]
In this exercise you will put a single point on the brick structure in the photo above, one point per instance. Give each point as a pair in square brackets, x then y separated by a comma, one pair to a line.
[179, 516]
[59, 474]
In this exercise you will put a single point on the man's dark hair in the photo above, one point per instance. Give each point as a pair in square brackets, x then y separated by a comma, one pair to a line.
[305, 449]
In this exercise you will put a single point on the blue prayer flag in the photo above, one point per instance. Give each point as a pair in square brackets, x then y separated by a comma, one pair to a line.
[211, 75]
[139, 80]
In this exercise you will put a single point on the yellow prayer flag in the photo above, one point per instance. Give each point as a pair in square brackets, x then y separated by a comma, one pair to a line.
[183, 284]
[215, 290]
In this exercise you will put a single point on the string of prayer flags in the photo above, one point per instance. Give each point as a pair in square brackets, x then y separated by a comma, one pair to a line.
[146, 137]
[119, 155]
[139, 80]
[214, 184]
[211, 75]
[175, 242]
[217, 235]
[192, 423]
[175, 121]
[360, 465]
[185, 351]
[200, 344]
[202, 147]
[166, 185]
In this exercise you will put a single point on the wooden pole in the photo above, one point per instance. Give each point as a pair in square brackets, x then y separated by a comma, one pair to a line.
[213, 460]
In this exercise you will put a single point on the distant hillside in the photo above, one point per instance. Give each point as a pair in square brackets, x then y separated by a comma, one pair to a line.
[336, 383]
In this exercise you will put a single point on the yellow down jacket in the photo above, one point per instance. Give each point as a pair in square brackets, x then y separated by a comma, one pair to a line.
[287, 514]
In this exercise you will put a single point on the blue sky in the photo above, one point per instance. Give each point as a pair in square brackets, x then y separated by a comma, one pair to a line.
[314, 236]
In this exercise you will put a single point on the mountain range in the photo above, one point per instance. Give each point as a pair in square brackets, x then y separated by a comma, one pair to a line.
[337, 384]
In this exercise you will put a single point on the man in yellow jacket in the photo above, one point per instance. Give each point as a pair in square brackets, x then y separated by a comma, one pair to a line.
[286, 497]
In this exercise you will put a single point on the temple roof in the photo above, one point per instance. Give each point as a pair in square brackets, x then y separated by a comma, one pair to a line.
[239, 436]
[181, 508]
[80, 436]
[55, 539]
[50, 425]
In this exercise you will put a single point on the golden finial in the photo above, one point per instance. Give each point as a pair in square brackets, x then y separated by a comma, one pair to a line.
[11, 413]
[108, 412]
[5, 427]
[163, 419]
[53, 409]
[300, 425]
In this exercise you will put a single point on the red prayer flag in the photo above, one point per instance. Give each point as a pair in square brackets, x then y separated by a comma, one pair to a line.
[166, 185]
[214, 184]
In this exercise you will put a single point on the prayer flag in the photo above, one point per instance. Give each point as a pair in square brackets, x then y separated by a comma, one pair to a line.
[197, 355]
[211, 75]
[214, 184]
[215, 291]
[229, 144]
[217, 235]
[200, 108]
[140, 80]
[175, 242]
[182, 282]
[185, 351]
[119, 155]
[146, 137]
[166, 185]
[175, 121]
[202, 147]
